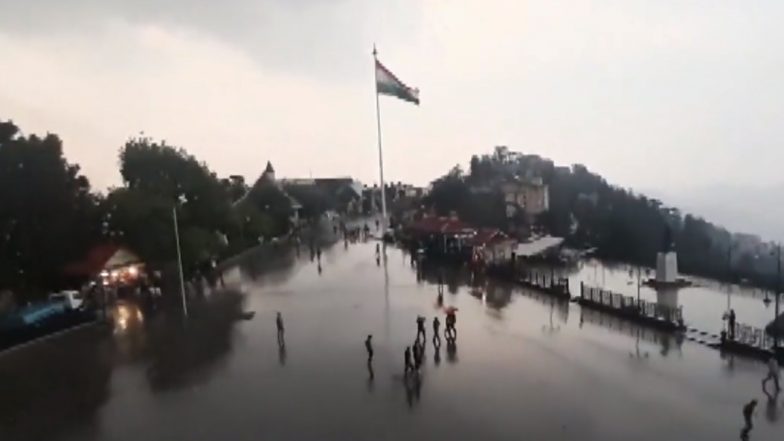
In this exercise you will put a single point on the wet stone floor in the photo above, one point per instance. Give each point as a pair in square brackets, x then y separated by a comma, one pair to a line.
[523, 367]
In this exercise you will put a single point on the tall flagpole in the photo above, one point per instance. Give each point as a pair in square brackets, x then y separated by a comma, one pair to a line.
[380, 154]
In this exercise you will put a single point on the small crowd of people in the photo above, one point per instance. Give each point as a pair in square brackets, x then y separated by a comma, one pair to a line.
[413, 356]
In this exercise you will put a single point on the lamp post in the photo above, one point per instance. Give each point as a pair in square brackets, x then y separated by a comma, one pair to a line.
[729, 274]
[778, 288]
[179, 261]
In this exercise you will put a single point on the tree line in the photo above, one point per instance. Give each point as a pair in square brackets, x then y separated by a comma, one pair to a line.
[50, 215]
[592, 213]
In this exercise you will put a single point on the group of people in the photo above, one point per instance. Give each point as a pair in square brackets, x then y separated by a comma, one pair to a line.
[417, 350]
[414, 355]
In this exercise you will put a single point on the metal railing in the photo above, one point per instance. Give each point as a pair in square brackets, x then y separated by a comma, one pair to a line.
[545, 281]
[752, 336]
[632, 305]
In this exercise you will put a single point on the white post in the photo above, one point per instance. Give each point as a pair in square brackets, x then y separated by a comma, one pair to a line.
[380, 154]
[179, 262]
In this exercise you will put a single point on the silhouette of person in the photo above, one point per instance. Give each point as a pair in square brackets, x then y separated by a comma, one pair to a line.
[773, 374]
[378, 250]
[440, 299]
[748, 412]
[369, 347]
[731, 324]
[437, 355]
[436, 334]
[451, 320]
[417, 355]
[318, 253]
[279, 323]
[407, 359]
[319, 267]
[378, 260]
[420, 321]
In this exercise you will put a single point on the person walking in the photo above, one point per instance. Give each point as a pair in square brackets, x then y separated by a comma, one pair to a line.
[421, 328]
[407, 360]
[418, 355]
[436, 334]
[773, 373]
[369, 347]
[451, 320]
[279, 323]
[731, 324]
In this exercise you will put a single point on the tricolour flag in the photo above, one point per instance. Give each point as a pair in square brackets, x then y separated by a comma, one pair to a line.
[388, 84]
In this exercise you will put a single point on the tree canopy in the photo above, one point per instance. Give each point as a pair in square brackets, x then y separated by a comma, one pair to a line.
[48, 215]
[589, 212]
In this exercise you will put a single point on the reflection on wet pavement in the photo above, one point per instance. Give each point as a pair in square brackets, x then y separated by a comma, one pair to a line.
[524, 365]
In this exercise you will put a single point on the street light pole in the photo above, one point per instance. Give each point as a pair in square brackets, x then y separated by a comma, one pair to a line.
[638, 286]
[179, 262]
[778, 288]
[729, 274]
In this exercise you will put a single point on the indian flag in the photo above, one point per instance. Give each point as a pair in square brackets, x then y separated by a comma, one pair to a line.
[388, 84]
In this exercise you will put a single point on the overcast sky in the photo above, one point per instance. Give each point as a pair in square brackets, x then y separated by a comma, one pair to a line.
[661, 94]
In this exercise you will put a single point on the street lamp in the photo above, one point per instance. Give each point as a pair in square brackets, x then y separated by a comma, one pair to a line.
[181, 199]
[778, 287]
[729, 274]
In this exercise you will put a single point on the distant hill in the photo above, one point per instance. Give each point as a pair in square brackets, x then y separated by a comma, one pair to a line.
[749, 209]
[591, 212]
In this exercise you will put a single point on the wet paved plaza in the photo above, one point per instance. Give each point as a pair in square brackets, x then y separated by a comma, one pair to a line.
[523, 367]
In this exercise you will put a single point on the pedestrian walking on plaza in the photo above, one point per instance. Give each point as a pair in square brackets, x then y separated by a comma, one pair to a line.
[748, 412]
[731, 324]
[773, 373]
[407, 359]
[418, 355]
[451, 320]
[436, 334]
[421, 328]
[279, 322]
[369, 347]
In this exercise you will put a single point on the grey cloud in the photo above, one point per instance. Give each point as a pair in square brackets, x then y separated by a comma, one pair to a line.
[305, 37]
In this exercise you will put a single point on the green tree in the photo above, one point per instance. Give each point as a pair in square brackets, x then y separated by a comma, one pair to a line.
[158, 178]
[48, 216]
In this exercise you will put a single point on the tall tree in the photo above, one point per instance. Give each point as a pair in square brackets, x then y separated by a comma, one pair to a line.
[159, 178]
[48, 216]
